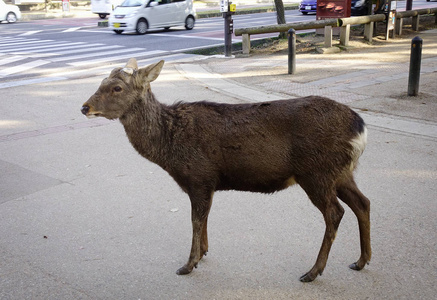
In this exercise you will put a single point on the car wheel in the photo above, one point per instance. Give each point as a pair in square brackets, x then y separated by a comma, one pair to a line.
[304, 13]
[102, 16]
[11, 17]
[118, 31]
[189, 23]
[142, 26]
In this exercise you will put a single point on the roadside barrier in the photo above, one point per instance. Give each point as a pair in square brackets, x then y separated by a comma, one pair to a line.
[414, 14]
[343, 23]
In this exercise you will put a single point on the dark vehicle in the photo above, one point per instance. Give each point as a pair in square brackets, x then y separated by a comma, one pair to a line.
[308, 6]
[358, 7]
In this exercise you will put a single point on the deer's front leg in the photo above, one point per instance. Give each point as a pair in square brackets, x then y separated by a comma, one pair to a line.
[200, 206]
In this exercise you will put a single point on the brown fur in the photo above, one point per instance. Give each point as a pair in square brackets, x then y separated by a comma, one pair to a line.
[262, 147]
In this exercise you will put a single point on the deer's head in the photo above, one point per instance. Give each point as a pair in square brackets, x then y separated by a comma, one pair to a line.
[124, 86]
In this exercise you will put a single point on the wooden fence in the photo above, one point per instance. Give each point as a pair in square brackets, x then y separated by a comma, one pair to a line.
[343, 23]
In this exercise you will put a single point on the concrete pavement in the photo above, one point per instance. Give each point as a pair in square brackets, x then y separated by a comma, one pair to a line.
[82, 216]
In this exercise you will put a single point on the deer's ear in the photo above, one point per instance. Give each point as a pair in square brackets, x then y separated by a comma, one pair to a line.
[151, 72]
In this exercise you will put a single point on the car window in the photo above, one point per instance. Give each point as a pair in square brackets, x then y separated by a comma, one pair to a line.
[162, 2]
[132, 3]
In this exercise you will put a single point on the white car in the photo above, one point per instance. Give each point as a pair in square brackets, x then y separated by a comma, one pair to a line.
[9, 13]
[141, 15]
[104, 7]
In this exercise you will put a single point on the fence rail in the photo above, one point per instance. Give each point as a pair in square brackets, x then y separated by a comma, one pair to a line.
[344, 23]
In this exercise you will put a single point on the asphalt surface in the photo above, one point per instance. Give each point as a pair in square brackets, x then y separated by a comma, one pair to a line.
[82, 216]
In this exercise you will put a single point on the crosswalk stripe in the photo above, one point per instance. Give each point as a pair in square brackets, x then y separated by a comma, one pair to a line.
[8, 40]
[11, 59]
[75, 54]
[9, 84]
[72, 29]
[29, 33]
[15, 38]
[28, 42]
[95, 54]
[23, 67]
[39, 47]
[105, 47]
[55, 48]
[118, 57]
[78, 73]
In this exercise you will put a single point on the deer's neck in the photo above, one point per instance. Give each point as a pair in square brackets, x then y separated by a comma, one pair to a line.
[145, 128]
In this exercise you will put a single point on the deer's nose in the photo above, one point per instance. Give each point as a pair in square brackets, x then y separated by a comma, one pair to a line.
[85, 109]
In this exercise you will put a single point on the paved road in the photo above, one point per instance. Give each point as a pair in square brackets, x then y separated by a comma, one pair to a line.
[53, 49]
[60, 45]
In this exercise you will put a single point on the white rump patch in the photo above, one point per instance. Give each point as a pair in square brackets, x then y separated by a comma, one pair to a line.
[358, 145]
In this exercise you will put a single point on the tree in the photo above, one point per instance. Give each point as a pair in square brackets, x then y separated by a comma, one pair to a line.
[280, 16]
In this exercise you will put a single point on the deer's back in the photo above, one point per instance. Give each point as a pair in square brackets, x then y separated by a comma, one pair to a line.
[264, 146]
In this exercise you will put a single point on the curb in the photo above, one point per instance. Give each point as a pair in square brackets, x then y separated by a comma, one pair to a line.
[42, 16]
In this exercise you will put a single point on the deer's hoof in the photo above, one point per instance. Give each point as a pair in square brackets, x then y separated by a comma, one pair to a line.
[184, 271]
[310, 276]
[355, 267]
[306, 278]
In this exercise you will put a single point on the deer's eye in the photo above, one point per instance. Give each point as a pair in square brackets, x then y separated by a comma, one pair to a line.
[117, 89]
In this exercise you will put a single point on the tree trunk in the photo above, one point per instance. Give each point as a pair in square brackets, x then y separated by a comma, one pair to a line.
[280, 16]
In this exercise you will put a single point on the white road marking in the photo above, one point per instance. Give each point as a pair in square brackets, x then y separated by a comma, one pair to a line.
[29, 81]
[118, 57]
[40, 48]
[72, 29]
[96, 54]
[11, 59]
[29, 33]
[23, 67]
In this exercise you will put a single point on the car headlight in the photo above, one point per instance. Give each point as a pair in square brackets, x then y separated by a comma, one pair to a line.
[359, 3]
[130, 15]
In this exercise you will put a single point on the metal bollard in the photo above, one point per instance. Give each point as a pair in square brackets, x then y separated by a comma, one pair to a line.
[415, 62]
[291, 51]
[228, 33]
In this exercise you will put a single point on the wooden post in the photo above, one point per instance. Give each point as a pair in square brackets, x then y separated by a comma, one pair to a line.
[399, 25]
[368, 31]
[415, 23]
[246, 43]
[344, 35]
[328, 36]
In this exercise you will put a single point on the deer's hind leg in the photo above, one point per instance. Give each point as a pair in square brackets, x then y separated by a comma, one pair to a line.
[349, 193]
[326, 201]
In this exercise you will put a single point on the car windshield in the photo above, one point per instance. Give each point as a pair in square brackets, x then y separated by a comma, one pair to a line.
[132, 3]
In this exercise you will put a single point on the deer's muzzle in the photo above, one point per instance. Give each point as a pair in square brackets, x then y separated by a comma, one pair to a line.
[85, 109]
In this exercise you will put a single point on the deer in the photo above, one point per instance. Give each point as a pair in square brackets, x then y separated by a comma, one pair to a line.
[264, 147]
